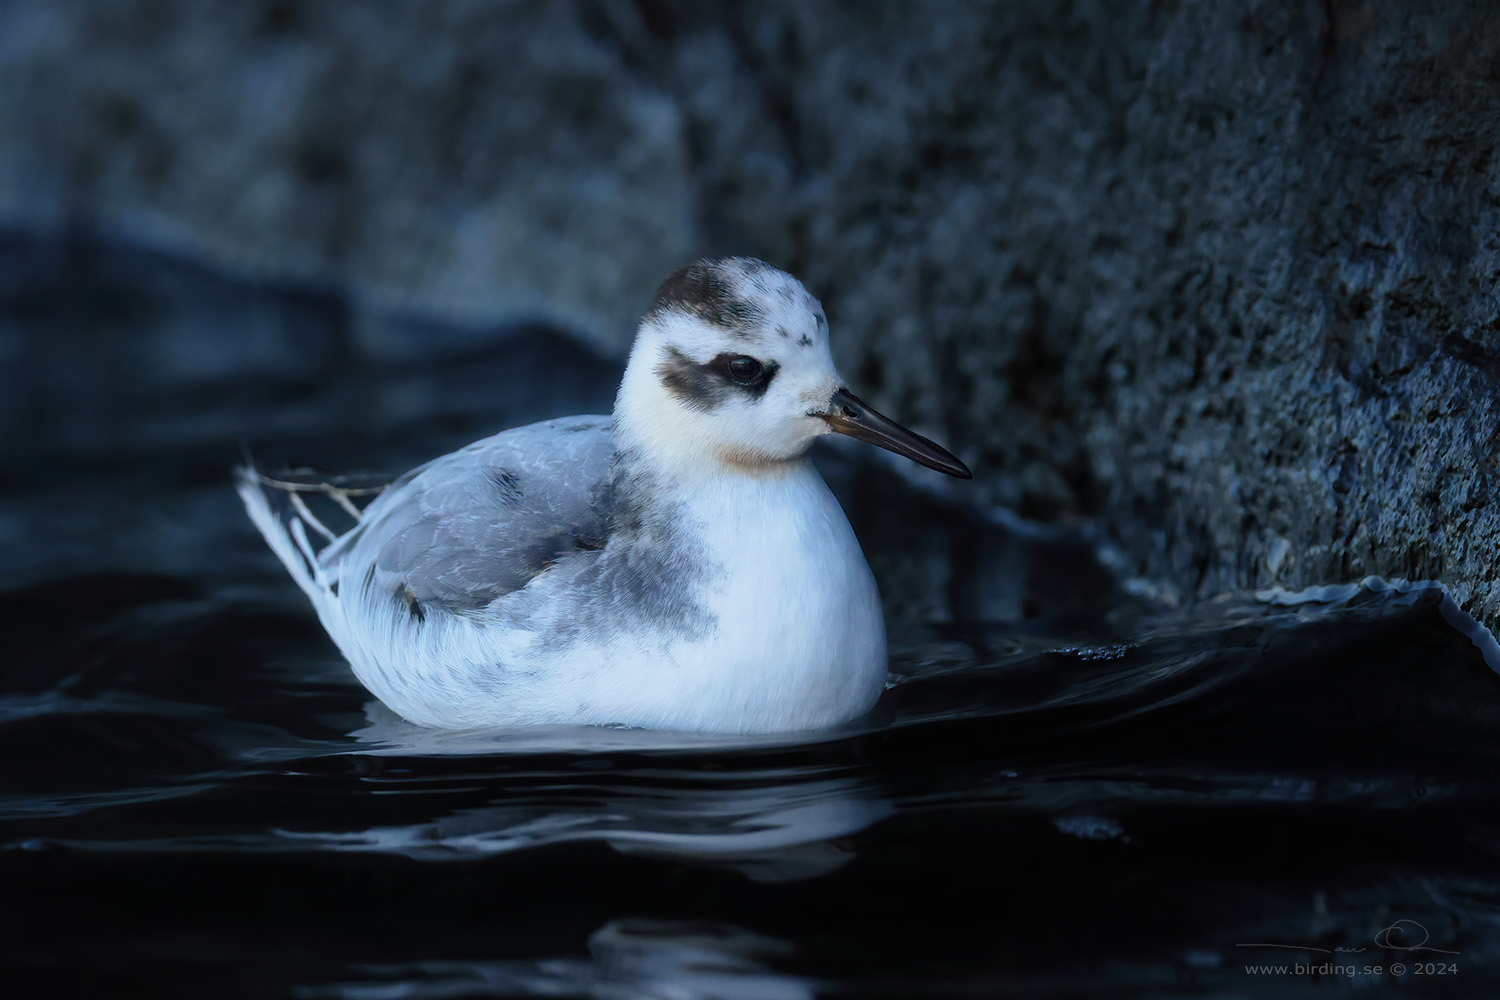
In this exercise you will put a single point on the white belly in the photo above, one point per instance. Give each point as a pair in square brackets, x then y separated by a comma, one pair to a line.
[798, 640]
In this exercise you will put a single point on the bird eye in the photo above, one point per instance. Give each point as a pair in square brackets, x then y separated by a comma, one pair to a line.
[745, 370]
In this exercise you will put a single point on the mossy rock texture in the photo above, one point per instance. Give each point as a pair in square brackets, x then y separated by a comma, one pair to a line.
[1220, 276]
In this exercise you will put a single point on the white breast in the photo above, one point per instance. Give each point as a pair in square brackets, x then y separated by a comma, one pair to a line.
[799, 641]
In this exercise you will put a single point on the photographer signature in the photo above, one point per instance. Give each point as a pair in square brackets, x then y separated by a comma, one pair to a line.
[1389, 938]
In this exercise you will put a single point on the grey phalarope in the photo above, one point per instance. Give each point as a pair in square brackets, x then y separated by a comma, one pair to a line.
[680, 565]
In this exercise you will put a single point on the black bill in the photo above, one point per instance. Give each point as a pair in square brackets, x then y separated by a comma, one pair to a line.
[848, 414]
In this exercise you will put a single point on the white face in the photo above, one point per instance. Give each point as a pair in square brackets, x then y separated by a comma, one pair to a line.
[732, 365]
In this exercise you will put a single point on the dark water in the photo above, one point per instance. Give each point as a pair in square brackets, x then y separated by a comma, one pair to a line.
[1060, 795]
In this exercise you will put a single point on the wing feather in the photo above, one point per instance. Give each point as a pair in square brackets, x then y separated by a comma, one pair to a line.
[482, 522]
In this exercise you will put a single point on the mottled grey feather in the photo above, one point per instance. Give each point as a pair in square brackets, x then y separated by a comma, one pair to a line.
[482, 522]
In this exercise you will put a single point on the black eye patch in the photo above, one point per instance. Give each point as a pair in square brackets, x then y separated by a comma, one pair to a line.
[703, 387]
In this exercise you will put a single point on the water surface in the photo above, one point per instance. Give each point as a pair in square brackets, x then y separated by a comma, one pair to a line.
[1063, 792]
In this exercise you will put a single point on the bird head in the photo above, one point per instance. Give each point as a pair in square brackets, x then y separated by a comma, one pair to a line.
[731, 365]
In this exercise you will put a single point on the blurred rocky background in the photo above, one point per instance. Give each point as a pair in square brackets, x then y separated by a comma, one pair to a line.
[1222, 277]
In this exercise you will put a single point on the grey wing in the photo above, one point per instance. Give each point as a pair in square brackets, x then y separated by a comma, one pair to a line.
[483, 521]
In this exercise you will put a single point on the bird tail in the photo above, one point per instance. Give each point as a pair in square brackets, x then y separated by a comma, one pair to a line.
[309, 549]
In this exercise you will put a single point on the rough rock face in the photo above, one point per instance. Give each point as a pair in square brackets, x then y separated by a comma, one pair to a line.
[476, 160]
[1222, 275]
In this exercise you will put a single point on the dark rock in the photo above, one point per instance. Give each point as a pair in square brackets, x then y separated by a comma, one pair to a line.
[478, 160]
[1221, 275]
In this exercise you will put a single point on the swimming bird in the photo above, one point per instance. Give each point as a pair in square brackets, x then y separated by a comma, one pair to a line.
[679, 565]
